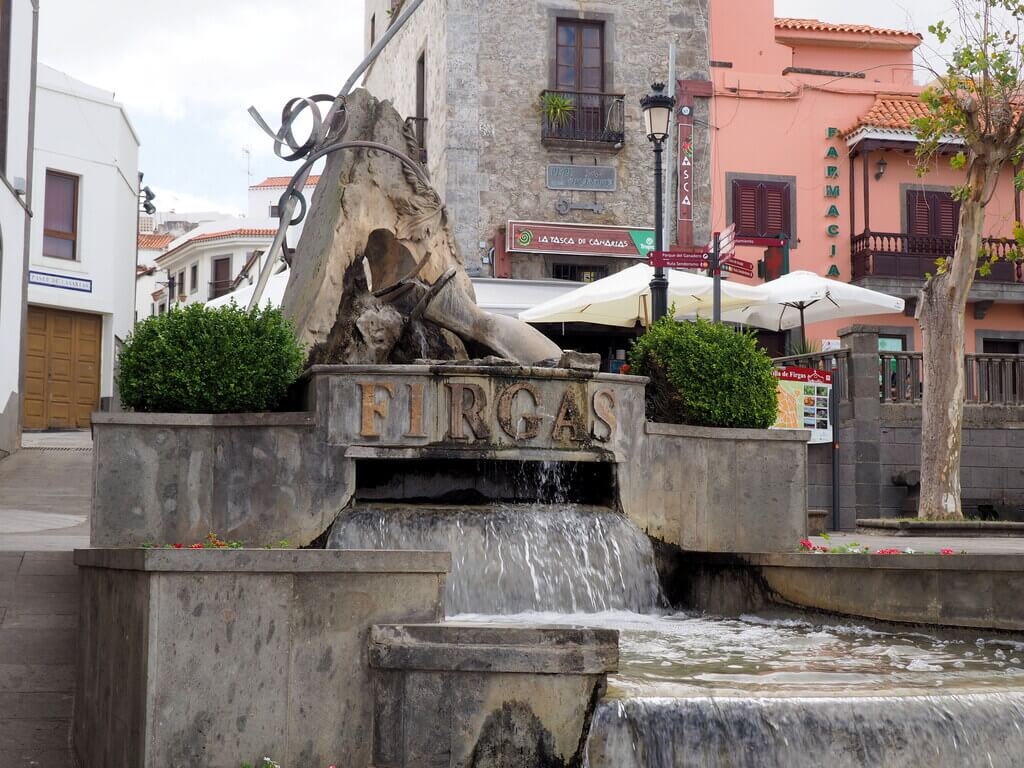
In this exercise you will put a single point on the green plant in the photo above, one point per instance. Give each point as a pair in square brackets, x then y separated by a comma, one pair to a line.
[804, 347]
[200, 360]
[558, 109]
[706, 374]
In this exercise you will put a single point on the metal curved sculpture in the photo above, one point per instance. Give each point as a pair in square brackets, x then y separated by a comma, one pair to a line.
[344, 316]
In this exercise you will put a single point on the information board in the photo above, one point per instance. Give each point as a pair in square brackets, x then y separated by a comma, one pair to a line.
[805, 395]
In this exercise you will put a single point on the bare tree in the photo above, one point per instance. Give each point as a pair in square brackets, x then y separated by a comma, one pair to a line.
[974, 107]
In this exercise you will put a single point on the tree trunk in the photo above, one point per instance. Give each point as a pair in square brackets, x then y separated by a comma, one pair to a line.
[940, 312]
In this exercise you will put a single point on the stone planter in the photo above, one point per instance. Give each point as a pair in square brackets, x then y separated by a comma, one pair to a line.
[215, 657]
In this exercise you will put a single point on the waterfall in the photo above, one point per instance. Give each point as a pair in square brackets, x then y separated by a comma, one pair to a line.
[954, 731]
[513, 558]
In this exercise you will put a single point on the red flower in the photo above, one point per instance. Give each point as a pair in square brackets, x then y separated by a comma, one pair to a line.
[196, 546]
[179, 546]
[889, 552]
[806, 544]
[947, 552]
[626, 368]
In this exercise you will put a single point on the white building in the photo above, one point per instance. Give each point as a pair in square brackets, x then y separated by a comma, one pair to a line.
[18, 31]
[265, 198]
[147, 276]
[81, 271]
[212, 260]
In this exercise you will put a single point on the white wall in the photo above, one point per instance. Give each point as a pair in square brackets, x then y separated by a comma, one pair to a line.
[81, 130]
[13, 215]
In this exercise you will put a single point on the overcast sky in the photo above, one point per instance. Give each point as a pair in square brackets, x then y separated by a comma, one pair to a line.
[188, 70]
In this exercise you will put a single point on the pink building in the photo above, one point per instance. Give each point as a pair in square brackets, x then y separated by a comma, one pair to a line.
[812, 139]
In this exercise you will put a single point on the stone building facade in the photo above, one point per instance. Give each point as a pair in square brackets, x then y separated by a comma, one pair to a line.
[478, 71]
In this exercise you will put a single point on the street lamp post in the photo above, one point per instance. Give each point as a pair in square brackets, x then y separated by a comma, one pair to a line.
[657, 107]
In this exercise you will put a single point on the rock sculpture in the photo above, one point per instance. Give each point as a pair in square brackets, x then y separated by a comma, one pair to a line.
[376, 276]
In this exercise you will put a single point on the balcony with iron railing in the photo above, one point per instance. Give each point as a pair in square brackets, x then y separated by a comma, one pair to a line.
[591, 118]
[219, 288]
[901, 256]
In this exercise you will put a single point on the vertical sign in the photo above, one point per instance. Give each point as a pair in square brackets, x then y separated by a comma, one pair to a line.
[686, 92]
[685, 155]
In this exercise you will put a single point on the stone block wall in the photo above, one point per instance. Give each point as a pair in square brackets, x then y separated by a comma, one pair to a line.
[878, 440]
[487, 63]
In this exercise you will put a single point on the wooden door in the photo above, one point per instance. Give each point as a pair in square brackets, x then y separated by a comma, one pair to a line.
[62, 369]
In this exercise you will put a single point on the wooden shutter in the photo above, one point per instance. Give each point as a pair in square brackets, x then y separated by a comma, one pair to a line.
[932, 214]
[761, 208]
[776, 209]
[946, 214]
[744, 207]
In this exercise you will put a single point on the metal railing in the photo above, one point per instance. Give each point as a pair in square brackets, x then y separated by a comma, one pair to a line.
[903, 256]
[220, 287]
[990, 379]
[835, 362]
[598, 117]
[418, 126]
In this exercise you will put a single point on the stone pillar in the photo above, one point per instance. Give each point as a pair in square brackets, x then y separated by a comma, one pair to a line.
[860, 447]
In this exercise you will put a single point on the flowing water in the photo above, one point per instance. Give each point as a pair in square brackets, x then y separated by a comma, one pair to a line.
[509, 558]
[694, 690]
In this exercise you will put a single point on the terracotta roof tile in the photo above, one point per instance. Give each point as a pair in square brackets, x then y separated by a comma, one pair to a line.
[155, 242]
[245, 232]
[280, 182]
[892, 113]
[814, 25]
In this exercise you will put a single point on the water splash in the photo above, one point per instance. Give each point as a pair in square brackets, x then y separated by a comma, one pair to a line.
[511, 558]
[958, 731]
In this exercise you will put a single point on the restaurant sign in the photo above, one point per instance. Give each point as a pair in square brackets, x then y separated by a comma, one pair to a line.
[585, 178]
[579, 239]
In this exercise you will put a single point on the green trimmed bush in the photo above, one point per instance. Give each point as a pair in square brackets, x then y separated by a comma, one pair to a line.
[705, 374]
[200, 360]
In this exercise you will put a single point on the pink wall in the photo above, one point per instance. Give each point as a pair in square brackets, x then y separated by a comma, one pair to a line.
[775, 125]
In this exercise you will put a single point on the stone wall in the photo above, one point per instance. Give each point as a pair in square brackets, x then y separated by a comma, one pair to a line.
[719, 490]
[878, 440]
[978, 591]
[487, 64]
[216, 658]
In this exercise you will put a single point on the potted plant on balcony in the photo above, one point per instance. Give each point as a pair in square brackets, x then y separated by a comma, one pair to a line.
[557, 109]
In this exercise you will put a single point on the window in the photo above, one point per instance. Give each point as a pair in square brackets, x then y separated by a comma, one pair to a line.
[275, 212]
[60, 216]
[5, 78]
[579, 64]
[761, 208]
[221, 277]
[373, 29]
[932, 214]
[578, 273]
[193, 278]
[1000, 347]
[180, 285]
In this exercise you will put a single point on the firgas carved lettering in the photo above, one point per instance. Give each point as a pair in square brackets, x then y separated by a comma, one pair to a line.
[374, 408]
[531, 421]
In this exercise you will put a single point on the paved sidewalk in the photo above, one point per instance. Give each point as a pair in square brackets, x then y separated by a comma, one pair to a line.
[46, 493]
[991, 545]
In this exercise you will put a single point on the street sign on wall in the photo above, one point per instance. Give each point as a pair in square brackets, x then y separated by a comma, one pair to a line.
[579, 239]
[586, 178]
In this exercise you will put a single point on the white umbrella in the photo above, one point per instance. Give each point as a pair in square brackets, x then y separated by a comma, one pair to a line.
[799, 298]
[272, 296]
[624, 299]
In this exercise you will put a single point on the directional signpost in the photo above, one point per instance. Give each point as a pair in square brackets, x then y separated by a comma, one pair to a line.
[679, 259]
